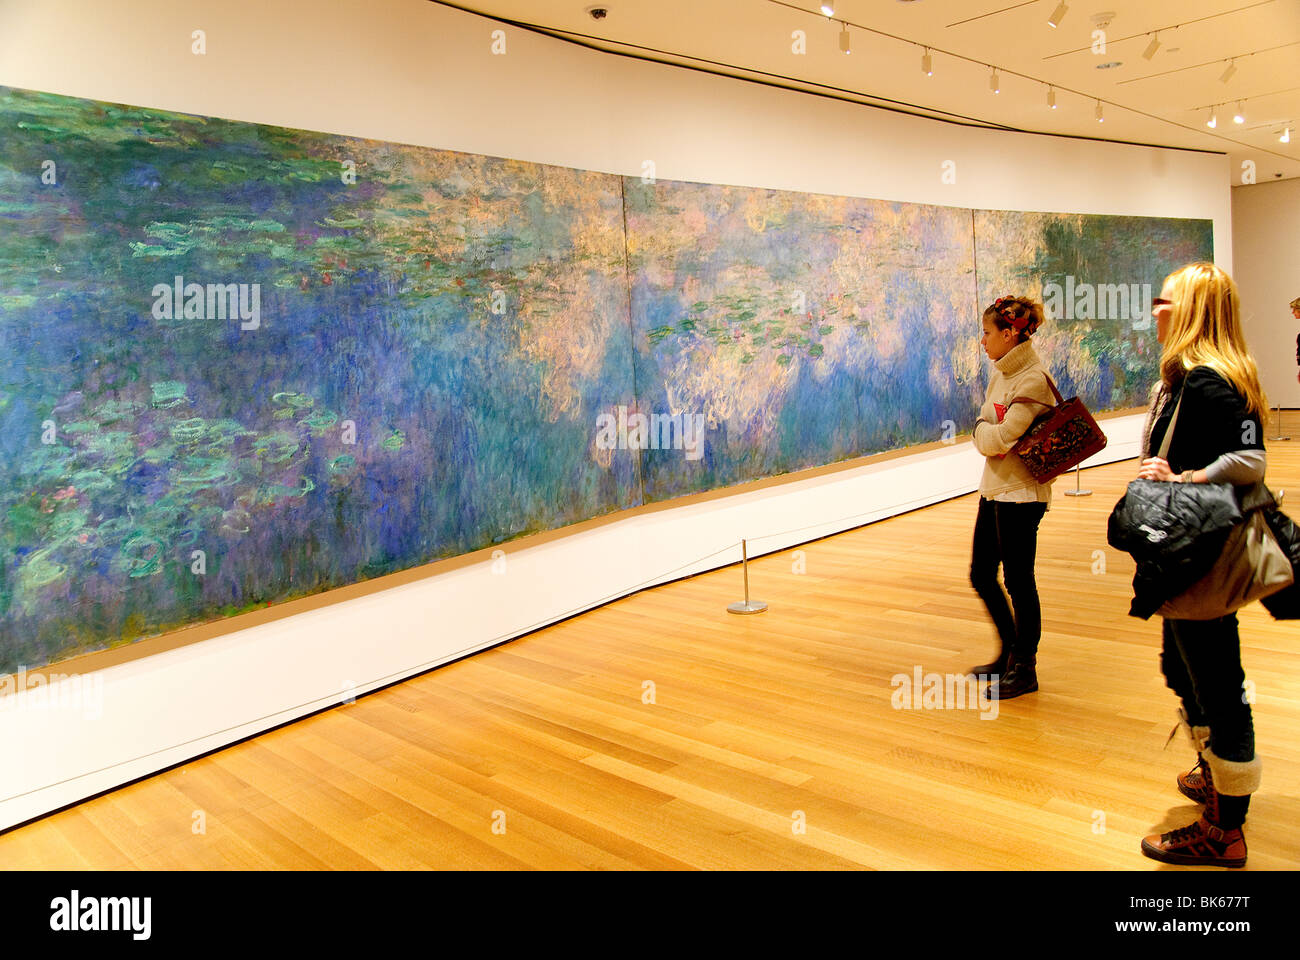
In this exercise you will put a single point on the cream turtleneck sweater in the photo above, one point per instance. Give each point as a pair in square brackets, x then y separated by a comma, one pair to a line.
[1018, 373]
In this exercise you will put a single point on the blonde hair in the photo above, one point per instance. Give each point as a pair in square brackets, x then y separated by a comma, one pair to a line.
[1205, 331]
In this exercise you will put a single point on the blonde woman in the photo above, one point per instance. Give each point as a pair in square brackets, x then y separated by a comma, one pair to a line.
[1218, 439]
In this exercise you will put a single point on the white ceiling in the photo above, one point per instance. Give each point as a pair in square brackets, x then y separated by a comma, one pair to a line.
[1161, 101]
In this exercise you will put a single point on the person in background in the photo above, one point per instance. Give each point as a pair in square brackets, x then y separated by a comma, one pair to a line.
[1011, 502]
[1295, 312]
[1218, 439]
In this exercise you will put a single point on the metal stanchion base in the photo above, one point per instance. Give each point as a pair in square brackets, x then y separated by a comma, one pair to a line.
[747, 606]
[1279, 427]
[1076, 492]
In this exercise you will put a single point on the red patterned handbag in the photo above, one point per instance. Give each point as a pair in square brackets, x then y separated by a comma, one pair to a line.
[1063, 436]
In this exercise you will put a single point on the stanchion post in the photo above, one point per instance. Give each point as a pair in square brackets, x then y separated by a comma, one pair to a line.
[747, 605]
[1279, 425]
[1076, 492]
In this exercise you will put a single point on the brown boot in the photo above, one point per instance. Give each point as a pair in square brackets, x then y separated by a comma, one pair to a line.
[1204, 843]
[1192, 784]
[1200, 844]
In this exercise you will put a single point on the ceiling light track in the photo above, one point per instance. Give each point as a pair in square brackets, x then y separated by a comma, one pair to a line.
[1253, 96]
[991, 13]
[799, 85]
[1226, 75]
[927, 57]
[1172, 26]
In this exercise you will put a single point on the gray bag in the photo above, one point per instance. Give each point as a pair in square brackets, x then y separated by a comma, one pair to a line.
[1252, 564]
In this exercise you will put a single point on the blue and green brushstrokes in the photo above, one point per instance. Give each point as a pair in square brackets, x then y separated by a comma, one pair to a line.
[438, 334]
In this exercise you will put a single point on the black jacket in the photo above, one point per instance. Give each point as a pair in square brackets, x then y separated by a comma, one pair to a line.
[1213, 421]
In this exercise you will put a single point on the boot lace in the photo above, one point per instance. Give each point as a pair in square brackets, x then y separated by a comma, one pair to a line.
[1189, 832]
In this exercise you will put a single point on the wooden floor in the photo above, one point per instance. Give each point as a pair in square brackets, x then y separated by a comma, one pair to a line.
[771, 741]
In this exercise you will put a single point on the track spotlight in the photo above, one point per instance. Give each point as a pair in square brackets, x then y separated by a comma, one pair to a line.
[994, 83]
[1051, 98]
[1286, 135]
[1227, 74]
[1058, 15]
[1214, 119]
[1152, 47]
[828, 9]
[1240, 115]
[844, 39]
[1098, 114]
[927, 63]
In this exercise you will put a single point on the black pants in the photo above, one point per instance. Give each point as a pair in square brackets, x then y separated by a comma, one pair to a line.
[1006, 534]
[1201, 661]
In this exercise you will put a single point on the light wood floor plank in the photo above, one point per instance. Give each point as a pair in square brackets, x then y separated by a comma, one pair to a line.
[759, 726]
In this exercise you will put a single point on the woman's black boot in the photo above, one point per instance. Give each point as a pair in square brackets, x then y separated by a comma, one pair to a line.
[998, 666]
[1022, 678]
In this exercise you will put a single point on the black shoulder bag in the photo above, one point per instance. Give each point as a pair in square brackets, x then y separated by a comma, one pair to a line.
[1203, 549]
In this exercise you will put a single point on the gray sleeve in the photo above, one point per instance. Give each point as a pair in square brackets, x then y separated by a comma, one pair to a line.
[1240, 467]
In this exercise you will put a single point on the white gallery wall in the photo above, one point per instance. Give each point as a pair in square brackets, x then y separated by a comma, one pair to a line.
[1266, 225]
[414, 72]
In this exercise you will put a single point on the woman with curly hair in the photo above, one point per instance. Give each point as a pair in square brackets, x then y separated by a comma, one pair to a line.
[1011, 502]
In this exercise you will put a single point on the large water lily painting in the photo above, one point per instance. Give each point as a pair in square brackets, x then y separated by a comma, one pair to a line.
[241, 364]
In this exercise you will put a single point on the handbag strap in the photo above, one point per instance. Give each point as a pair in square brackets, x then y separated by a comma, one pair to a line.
[1169, 431]
[1056, 393]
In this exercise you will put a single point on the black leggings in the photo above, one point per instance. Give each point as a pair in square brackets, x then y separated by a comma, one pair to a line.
[1201, 661]
[1006, 534]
